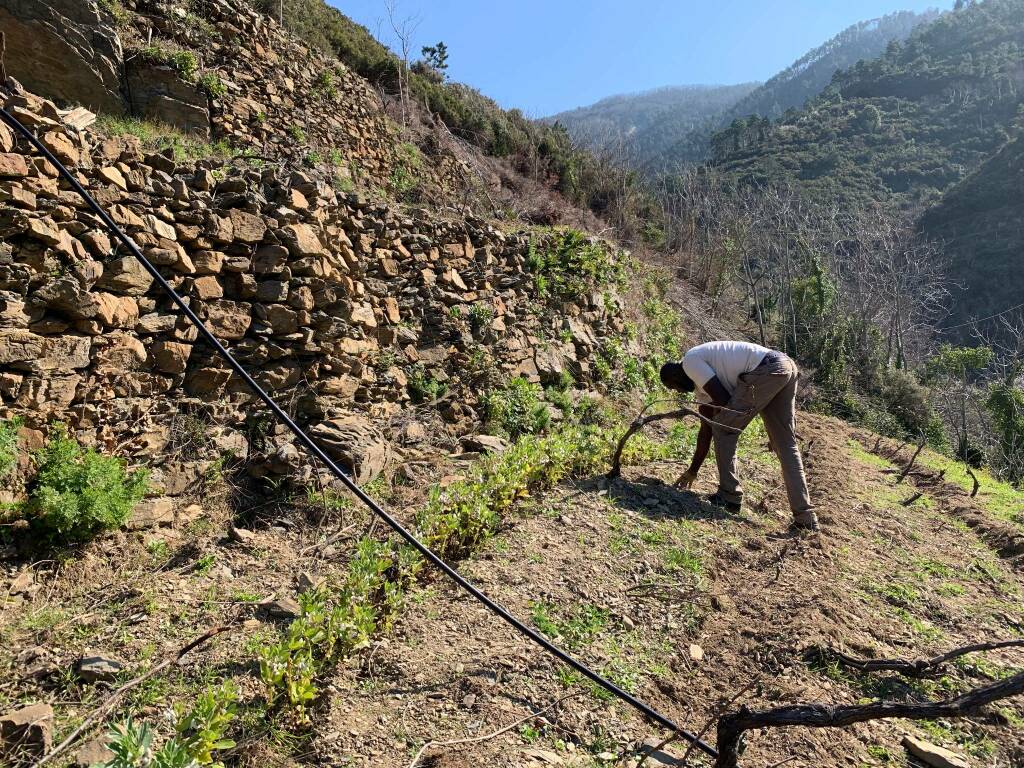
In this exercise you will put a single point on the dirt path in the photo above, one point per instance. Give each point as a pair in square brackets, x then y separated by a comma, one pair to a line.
[685, 607]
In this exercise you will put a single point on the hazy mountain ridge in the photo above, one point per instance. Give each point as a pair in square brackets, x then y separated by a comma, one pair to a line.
[669, 127]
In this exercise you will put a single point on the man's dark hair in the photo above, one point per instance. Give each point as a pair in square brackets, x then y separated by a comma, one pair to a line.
[674, 377]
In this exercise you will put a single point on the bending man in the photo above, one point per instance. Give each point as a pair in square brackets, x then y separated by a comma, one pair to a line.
[747, 380]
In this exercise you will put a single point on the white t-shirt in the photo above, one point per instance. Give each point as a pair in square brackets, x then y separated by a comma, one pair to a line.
[725, 360]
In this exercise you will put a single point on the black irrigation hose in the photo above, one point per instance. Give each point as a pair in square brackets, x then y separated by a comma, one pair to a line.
[315, 449]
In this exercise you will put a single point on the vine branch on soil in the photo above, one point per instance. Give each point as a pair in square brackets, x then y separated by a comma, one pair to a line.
[642, 421]
[731, 727]
[913, 667]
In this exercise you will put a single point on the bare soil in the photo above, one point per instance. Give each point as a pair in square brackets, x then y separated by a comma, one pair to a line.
[681, 604]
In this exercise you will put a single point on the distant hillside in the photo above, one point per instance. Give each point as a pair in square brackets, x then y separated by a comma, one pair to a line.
[807, 76]
[645, 125]
[669, 127]
[905, 126]
[981, 223]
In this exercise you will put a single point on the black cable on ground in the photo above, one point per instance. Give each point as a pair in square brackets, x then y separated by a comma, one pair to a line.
[318, 452]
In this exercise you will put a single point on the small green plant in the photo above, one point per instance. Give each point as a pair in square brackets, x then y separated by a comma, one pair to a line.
[336, 157]
[183, 62]
[9, 445]
[312, 159]
[205, 563]
[199, 732]
[325, 84]
[158, 549]
[480, 316]
[517, 408]
[78, 493]
[121, 17]
[424, 388]
[405, 174]
[568, 265]
[297, 133]
[211, 84]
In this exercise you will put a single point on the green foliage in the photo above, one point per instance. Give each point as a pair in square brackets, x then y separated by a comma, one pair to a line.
[199, 732]
[517, 408]
[405, 176]
[133, 747]
[211, 84]
[158, 137]
[334, 623]
[424, 387]
[944, 100]
[122, 18]
[312, 159]
[297, 133]
[436, 56]
[78, 493]
[480, 316]
[9, 445]
[959, 362]
[568, 265]
[577, 629]
[1005, 404]
[325, 84]
[183, 62]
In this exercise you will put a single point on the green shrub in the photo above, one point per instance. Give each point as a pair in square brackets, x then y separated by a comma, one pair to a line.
[211, 84]
[9, 445]
[517, 408]
[78, 493]
[121, 17]
[297, 133]
[568, 265]
[183, 62]
[199, 732]
[423, 387]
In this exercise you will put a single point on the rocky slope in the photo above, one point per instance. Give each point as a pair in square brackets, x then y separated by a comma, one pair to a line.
[332, 302]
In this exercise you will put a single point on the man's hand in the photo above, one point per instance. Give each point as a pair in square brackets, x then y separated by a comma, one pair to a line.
[686, 480]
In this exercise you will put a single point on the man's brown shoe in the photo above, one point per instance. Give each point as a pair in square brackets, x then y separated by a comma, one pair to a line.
[717, 500]
[806, 522]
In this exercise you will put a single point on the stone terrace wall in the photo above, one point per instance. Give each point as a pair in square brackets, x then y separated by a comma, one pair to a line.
[332, 303]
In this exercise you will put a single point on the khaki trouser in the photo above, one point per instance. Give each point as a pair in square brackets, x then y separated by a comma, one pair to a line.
[769, 390]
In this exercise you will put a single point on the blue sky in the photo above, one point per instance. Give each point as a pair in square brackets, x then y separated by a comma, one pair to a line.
[544, 56]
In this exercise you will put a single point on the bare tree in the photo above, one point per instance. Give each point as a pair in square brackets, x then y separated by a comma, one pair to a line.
[403, 28]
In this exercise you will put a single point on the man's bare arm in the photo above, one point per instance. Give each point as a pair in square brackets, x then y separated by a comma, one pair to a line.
[718, 393]
[700, 451]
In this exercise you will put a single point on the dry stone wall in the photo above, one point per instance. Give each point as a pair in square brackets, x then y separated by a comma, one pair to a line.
[271, 94]
[332, 303]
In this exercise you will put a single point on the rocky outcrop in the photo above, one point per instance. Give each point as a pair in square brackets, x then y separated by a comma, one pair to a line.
[67, 49]
[158, 93]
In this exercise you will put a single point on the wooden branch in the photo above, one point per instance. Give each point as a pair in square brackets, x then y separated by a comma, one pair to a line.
[642, 421]
[103, 709]
[3, 53]
[732, 727]
[912, 668]
[974, 477]
[718, 713]
[495, 734]
[910, 464]
[910, 500]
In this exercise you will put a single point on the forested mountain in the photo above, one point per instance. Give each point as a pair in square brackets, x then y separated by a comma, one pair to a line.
[807, 76]
[980, 223]
[670, 127]
[645, 125]
[905, 126]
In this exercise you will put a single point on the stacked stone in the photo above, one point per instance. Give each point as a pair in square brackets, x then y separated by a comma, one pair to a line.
[330, 302]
